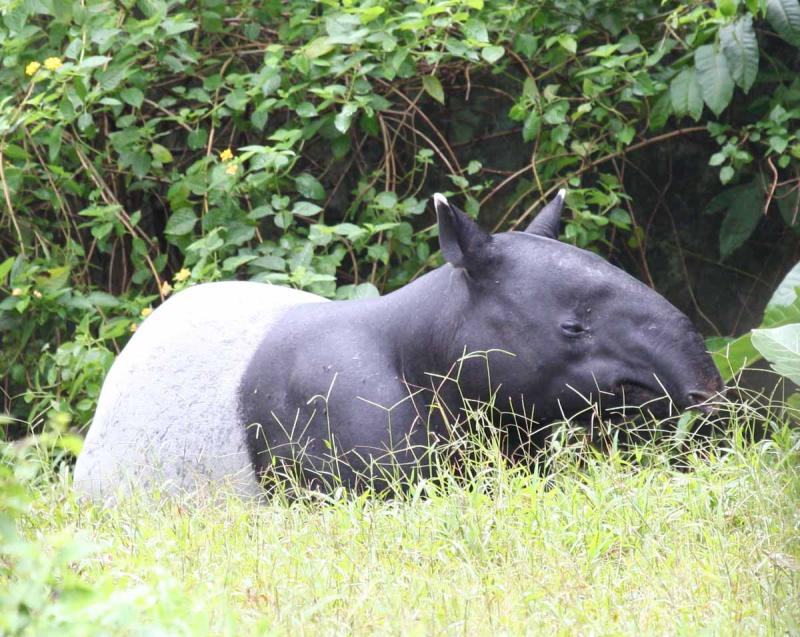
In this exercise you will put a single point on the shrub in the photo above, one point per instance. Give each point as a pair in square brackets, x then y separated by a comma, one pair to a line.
[146, 145]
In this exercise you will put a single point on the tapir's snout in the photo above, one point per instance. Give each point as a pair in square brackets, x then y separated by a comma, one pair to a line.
[702, 400]
[703, 396]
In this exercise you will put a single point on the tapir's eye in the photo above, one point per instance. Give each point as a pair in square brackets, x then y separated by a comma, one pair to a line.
[571, 328]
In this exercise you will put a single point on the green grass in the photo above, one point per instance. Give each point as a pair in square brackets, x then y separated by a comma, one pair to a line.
[600, 545]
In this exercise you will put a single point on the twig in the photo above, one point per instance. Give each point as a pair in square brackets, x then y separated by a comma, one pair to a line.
[772, 187]
[10, 207]
[593, 164]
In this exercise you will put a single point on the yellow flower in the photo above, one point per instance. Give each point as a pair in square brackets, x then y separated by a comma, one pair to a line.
[166, 288]
[133, 327]
[182, 275]
[147, 311]
[53, 64]
[37, 294]
[231, 170]
[16, 292]
[32, 68]
[226, 155]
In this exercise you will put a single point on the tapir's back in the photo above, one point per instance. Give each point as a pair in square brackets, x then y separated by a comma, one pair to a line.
[167, 413]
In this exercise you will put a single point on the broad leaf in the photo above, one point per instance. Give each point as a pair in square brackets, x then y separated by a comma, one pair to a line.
[361, 291]
[308, 186]
[306, 209]
[492, 53]
[741, 50]
[181, 222]
[343, 119]
[781, 347]
[731, 358]
[344, 28]
[784, 306]
[741, 219]
[784, 16]
[786, 292]
[530, 129]
[433, 87]
[5, 268]
[714, 76]
[318, 47]
[684, 93]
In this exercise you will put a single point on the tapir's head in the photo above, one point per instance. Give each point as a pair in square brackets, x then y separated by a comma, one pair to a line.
[577, 325]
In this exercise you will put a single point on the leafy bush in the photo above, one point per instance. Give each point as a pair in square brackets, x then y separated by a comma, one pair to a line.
[146, 145]
[777, 339]
[603, 543]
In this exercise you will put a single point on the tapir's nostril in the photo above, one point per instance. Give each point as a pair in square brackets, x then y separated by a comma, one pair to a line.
[699, 399]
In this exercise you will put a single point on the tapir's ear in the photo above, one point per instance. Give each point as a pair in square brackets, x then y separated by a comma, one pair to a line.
[548, 222]
[462, 241]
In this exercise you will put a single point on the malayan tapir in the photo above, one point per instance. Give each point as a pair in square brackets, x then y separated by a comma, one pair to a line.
[228, 382]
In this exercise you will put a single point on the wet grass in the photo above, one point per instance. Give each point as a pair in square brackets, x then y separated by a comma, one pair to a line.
[613, 543]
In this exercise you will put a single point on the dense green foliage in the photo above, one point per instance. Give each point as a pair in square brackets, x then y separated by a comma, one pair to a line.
[147, 145]
[600, 545]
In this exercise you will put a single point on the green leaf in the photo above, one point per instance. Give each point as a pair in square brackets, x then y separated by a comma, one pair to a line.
[102, 299]
[93, 61]
[661, 110]
[350, 231]
[727, 7]
[781, 347]
[717, 159]
[492, 53]
[5, 268]
[784, 16]
[685, 95]
[306, 109]
[181, 222]
[178, 24]
[231, 264]
[308, 186]
[778, 143]
[714, 77]
[433, 87]
[786, 292]
[476, 30]
[237, 99]
[132, 96]
[197, 138]
[726, 173]
[160, 153]
[269, 262]
[260, 116]
[741, 51]
[741, 219]
[318, 47]
[344, 118]
[526, 44]
[530, 129]
[731, 358]
[568, 43]
[306, 209]
[345, 28]
[361, 291]
[386, 200]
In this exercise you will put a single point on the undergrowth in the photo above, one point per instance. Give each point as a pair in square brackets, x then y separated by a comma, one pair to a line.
[679, 536]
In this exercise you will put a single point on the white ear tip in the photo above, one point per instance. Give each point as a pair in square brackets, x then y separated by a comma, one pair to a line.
[562, 193]
[439, 199]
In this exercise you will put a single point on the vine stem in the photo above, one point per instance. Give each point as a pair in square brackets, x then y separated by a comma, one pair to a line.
[7, 196]
[593, 164]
